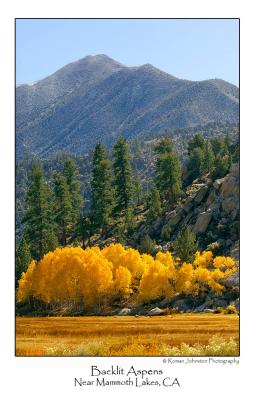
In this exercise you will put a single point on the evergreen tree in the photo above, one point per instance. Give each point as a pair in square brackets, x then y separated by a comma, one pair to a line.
[166, 232]
[155, 208]
[196, 141]
[84, 229]
[137, 191]
[165, 145]
[221, 166]
[147, 245]
[195, 163]
[201, 156]
[122, 175]
[70, 172]
[63, 208]
[185, 245]
[23, 258]
[130, 222]
[101, 189]
[38, 219]
[208, 159]
[168, 172]
[217, 144]
[227, 143]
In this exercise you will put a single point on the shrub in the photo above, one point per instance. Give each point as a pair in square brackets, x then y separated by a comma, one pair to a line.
[217, 346]
[174, 311]
[230, 309]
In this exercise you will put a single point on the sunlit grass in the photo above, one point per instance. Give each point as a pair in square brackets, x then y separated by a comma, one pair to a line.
[181, 334]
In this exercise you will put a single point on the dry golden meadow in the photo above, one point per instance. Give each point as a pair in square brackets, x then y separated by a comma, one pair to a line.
[180, 334]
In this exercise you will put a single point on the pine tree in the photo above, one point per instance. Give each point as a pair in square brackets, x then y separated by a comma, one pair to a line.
[165, 145]
[63, 208]
[217, 144]
[38, 219]
[101, 189]
[147, 245]
[155, 208]
[122, 175]
[70, 172]
[221, 166]
[84, 229]
[227, 142]
[196, 141]
[168, 172]
[137, 191]
[195, 163]
[208, 159]
[23, 258]
[130, 221]
[166, 232]
[223, 156]
[201, 156]
[185, 245]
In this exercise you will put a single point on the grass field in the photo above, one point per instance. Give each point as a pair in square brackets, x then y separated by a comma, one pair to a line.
[181, 334]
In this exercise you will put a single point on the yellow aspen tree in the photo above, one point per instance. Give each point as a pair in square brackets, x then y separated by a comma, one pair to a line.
[25, 289]
[122, 281]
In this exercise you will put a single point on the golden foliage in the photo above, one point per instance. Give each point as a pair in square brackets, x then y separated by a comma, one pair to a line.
[122, 281]
[92, 276]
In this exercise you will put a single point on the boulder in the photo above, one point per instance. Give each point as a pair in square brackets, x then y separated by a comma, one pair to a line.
[174, 218]
[201, 194]
[209, 310]
[230, 187]
[202, 222]
[155, 311]
[230, 204]
[188, 204]
[217, 183]
[125, 311]
[211, 197]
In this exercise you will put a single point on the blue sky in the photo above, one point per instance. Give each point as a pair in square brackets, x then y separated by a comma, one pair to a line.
[189, 49]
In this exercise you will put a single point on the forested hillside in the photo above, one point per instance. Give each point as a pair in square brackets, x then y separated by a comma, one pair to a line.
[148, 211]
[142, 157]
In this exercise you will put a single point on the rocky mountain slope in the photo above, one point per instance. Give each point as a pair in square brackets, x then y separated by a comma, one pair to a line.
[210, 208]
[97, 98]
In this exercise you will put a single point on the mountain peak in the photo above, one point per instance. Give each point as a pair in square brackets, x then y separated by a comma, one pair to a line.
[100, 58]
[96, 99]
